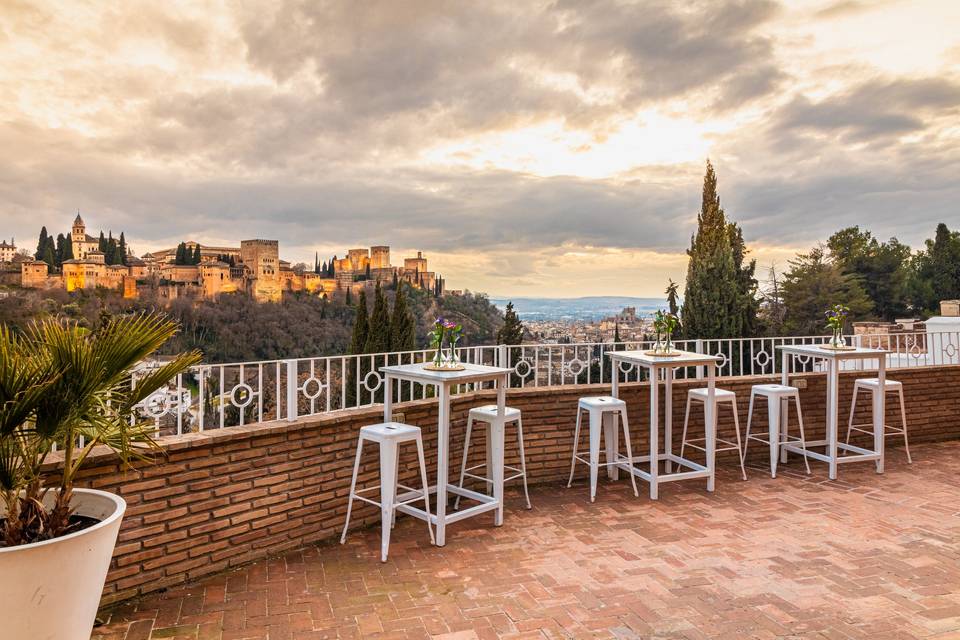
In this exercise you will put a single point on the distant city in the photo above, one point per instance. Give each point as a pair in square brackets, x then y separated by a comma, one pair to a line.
[588, 319]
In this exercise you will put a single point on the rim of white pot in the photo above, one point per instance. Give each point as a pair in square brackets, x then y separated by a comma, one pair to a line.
[120, 506]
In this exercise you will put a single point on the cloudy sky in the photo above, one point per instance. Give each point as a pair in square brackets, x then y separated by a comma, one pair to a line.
[528, 148]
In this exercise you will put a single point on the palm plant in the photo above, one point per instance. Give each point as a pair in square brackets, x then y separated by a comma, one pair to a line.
[65, 387]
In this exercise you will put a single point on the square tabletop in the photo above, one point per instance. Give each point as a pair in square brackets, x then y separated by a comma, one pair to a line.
[418, 372]
[686, 358]
[818, 351]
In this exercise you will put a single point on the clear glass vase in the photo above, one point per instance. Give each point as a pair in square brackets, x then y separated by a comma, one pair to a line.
[438, 358]
[452, 360]
[836, 341]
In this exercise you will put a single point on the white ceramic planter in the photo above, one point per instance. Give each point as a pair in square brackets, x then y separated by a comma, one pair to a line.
[51, 590]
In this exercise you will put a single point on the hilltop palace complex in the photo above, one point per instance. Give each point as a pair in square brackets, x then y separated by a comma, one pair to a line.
[254, 267]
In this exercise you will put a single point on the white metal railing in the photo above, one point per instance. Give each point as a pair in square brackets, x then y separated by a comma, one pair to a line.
[212, 396]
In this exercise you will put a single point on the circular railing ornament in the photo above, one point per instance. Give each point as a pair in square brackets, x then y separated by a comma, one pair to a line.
[576, 367]
[527, 368]
[762, 358]
[366, 381]
[304, 388]
[241, 395]
[156, 404]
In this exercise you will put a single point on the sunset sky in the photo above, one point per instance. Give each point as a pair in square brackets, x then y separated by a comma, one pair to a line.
[528, 148]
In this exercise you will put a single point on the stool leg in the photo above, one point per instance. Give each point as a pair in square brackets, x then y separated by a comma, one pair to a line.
[686, 421]
[773, 430]
[626, 436]
[353, 488]
[523, 461]
[746, 438]
[596, 426]
[426, 487]
[803, 438]
[576, 443]
[396, 481]
[463, 465]
[903, 421]
[853, 409]
[388, 491]
[740, 448]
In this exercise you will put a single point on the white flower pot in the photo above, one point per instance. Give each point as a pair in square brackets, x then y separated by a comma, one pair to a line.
[51, 590]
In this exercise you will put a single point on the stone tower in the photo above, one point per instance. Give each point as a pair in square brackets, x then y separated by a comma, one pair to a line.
[379, 257]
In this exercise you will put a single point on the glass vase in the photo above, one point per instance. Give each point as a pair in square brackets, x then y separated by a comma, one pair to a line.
[438, 358]
[836, 341]
[452, 360]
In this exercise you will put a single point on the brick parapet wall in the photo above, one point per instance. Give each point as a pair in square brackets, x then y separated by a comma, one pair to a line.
[230, 496]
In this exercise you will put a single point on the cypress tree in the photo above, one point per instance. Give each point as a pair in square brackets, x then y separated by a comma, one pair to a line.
[333, 271]
[196, 255]
[747, 286]
[102, 244]
[67, 248]
[61, 249]
[348, 298]
[49, 253]
[122, 250]
[711, 301]
[403, 334]
[178, 258]
[396, 281]
[378, 334]
[358, 342]
[512, 330]
[41, 243]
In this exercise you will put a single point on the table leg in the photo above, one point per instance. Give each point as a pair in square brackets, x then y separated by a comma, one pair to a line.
[496, 444]
[654, 433]
[710, 420]
[668, 415]
[880, 412]
[387, 398]
[833, 400]
[443, 463]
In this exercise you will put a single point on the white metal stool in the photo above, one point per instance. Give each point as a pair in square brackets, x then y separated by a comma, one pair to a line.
[775, 393]
[388, 435]
[598, 408]
[722, 396]
[485, 415]
[872, 385]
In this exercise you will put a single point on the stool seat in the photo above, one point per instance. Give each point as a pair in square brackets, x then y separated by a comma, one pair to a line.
[606, 403]
[874, 383]
[488, 412]
[392, 431]
[774, 390]
[720, 395]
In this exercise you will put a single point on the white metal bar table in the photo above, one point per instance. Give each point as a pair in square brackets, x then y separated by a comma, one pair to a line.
[687, 469]
[445, 381]
[834, 358]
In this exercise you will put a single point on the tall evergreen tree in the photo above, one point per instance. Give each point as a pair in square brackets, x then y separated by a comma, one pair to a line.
[196, 255]
[122, 250]
[712, 300]
[403, 329]
[814, 284]
[936, 272]
[348, 299]
[102, 244]
[41, 243]
[512, 330]
[333, 271]
[358, 343]
[748, 301]
[378, 333]
[178, 258]
[49, 253]
[61, 250]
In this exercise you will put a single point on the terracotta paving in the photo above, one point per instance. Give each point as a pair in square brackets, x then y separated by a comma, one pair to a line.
[867, 556]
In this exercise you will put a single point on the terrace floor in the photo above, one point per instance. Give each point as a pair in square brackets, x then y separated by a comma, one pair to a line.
[867, 556]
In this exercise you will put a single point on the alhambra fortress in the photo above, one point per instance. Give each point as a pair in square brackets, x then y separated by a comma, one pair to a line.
[254, 267]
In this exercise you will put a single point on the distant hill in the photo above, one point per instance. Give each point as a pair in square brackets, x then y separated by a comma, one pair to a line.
[572, 309]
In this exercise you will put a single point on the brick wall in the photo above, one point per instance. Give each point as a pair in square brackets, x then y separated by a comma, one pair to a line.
[230, 496]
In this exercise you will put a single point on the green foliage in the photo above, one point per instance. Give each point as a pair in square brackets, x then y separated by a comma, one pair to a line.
[378, 332]
[814, 284]
[720, 296]
[935, 272]
[403, 330]
[881, 268]
[61, 384]
[512, 330]
[358, 344]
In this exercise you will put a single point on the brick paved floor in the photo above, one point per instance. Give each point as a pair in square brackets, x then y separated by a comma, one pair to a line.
[867, 556]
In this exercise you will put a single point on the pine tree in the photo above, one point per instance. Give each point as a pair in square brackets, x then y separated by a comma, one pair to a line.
[358, 343]
[712, 306]
[41, 243]
[378, 334]
[814, 284]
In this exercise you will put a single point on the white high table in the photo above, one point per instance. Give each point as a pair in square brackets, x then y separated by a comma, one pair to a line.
[444, 381]
[833, 359]
[656, 364]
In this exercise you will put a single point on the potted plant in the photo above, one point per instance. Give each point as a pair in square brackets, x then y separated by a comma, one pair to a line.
[65, 388]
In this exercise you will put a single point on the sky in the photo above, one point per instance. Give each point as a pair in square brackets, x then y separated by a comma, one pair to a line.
[533, 148]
